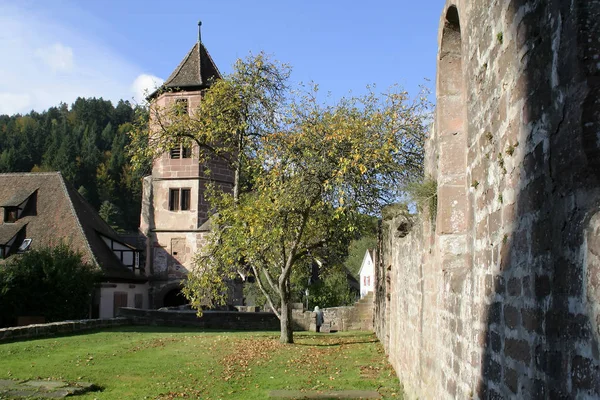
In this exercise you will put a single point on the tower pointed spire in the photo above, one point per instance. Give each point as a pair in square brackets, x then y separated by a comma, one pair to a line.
[196, 70]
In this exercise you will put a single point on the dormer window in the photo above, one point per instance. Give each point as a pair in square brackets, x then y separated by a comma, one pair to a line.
[19, 205]
[11, 214]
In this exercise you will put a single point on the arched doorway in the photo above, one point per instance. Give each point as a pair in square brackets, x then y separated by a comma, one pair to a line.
[174, 298]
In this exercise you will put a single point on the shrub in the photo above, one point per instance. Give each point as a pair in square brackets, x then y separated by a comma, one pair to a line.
[424, 194]
[51, 282]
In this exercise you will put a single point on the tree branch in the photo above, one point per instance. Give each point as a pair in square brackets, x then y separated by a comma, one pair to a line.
[270, 279]
[262, 288]
[290, 260]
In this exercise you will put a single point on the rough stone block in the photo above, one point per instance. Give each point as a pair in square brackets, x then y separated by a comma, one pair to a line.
[514, 287]
[499, 285]
[517, 349]
[495, 342]
[532, 197]
[578, 327]
[488, 284]
[511, 379]
[451, 209]
[492, 370]
[532, 320]
[527, 292]
[511, 317]
[453, 158]
[542, 286]
[584, 373]
[495, 313]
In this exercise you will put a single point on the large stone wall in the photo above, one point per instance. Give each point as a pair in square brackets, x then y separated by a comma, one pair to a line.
[497, 295]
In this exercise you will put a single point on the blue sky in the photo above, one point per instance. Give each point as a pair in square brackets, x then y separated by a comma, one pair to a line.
[58, 50]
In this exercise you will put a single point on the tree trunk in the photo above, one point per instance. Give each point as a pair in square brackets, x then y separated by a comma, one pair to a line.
[287, 333]
[236, 184]
[238, 167]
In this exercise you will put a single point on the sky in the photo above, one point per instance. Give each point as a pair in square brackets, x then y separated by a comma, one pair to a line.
[55, 51]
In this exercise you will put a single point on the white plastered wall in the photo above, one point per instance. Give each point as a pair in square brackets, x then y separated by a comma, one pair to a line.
[107, 292]
[367, 276]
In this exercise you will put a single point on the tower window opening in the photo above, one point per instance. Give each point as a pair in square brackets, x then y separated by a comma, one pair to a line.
[185, 199]
[179, 199]
[181, 151]
[181, 106]
[173, 199]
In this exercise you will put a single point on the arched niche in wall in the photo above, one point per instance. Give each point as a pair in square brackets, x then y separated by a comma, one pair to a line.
[451, 129]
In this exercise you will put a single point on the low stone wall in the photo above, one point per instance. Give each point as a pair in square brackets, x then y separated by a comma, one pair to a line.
[304, 320]
[347, 318]
[339, 317]
[225, 320]
[58, 328]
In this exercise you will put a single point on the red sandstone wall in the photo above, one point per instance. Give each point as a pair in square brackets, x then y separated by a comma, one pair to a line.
[500, 298]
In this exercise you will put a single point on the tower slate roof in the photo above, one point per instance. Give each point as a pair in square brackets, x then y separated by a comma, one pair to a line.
[196, 70]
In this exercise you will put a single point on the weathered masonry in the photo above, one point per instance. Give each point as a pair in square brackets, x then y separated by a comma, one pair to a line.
[496, 293]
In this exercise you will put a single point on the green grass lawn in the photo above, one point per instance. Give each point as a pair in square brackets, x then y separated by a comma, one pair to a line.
[167, 363]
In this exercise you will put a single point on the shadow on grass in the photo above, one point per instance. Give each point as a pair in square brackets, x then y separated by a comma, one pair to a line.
[333, 339]
[138, 329]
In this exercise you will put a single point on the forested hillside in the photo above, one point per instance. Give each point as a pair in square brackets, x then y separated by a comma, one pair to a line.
[87, 143]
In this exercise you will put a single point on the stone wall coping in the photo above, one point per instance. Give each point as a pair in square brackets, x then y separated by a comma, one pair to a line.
[60, 327]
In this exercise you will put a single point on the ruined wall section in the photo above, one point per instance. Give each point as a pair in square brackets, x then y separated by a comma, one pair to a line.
[407, 301]
[511, 311]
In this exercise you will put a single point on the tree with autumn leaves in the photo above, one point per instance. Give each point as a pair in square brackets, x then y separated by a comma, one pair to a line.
[307, 172]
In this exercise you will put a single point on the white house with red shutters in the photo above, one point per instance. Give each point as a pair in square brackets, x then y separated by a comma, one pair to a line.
[367, 273]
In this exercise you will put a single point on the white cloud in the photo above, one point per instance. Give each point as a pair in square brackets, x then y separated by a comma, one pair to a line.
[57, 56]
[45, 62]
[143, 85]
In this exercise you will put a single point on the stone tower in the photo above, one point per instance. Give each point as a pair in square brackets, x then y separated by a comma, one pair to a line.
[174, 212]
